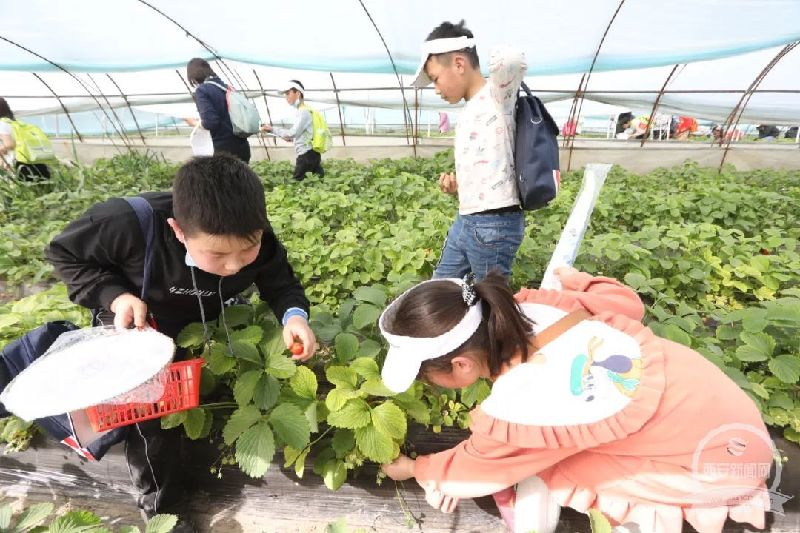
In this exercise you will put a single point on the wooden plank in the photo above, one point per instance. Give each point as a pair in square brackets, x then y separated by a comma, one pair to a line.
[280, 502]
[236, 503]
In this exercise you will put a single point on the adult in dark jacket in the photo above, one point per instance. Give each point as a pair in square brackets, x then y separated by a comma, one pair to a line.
[212, 240]
[212, 105]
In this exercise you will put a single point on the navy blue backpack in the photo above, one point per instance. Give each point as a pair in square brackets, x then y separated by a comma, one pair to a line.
[535, 152]
[16, 356]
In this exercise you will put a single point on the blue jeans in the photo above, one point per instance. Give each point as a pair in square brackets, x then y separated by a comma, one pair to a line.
[480, 243]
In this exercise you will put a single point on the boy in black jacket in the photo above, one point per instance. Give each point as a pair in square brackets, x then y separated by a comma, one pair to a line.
[212, 240]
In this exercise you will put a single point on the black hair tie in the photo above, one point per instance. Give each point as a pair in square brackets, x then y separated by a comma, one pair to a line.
[468, 290]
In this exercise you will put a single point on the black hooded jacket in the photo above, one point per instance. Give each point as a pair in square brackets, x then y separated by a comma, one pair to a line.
[101, 255]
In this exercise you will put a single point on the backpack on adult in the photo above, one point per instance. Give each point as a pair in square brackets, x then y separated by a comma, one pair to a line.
[536, 167]
[33, 145]
[245, 119]
[17, 355]
[320, 135]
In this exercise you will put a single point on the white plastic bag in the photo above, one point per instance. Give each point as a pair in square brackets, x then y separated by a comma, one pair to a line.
[200, 140]
[572, 235]
[91, 366]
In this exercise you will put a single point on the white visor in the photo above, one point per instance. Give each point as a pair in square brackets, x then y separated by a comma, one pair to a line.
[291, 84]
[406, 354]
[438, 46]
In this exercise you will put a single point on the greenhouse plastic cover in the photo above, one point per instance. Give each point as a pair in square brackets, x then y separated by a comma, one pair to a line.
[721, 74]
[561, 37]
[94, 122]
[719, 45]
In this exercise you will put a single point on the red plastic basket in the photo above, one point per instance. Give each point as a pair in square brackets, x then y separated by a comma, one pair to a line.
[181, 392]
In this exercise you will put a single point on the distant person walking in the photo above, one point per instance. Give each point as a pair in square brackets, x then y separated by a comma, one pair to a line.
[210, 96]
[301, 132]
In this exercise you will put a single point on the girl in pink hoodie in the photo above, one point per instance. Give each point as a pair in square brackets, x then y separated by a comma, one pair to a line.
[588, 408]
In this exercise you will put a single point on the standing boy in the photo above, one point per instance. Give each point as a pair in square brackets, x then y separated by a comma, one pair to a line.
[490, 223]
[211, 241]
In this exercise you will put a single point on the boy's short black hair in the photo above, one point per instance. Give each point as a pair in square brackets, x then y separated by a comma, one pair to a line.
[219, 195]
[447, 30]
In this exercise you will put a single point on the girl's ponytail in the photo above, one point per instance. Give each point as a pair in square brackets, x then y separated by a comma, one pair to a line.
[434, 308]
[507, 330]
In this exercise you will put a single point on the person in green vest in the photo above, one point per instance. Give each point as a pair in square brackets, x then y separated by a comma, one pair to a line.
[302, 132]
[13, 151]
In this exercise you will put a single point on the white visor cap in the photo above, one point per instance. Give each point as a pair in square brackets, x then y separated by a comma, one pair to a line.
[406, 354]
[438, 46]
[292, 84]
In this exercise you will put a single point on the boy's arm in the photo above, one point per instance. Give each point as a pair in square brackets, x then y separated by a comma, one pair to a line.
[480, 466]
[507, 67]
[302, 123]
[278, 285]
[209, 117]
[87, 254]
[594, 293]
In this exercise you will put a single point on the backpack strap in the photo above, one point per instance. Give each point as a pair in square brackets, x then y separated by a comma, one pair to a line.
[144, 212]
[552, 332]
[215, 84]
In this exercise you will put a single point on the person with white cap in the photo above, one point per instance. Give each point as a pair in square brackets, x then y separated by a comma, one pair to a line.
[308, 159]
[588, 408]
[490, 224]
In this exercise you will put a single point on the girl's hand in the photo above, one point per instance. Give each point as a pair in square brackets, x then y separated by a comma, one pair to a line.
[564, 272]
[400, 469]
[439, 500]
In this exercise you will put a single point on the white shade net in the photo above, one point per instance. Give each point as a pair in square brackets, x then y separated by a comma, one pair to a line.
[723, 46]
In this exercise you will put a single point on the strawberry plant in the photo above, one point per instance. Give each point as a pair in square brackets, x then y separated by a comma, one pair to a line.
[714, 256]
[336, 411]
[37, 519]
[757, 347]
